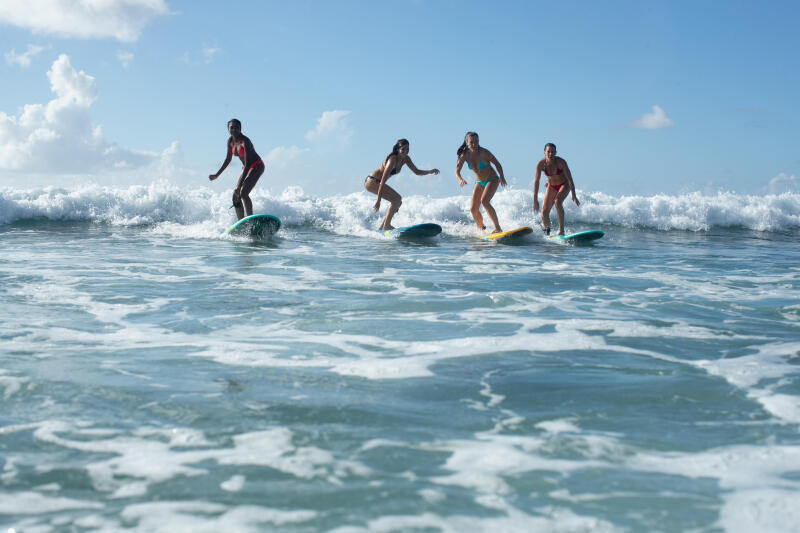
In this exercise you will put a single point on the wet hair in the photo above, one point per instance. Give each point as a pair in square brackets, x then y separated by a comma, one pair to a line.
[235, 121]
[463, 147]
[396, 148]
[550, 144]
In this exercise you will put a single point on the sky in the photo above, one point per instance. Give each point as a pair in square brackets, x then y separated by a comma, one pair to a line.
[641, 98]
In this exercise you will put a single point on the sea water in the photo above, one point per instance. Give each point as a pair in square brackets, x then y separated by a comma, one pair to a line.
[156, 375]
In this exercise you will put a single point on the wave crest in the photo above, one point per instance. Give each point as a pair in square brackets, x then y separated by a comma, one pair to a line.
[163, 202]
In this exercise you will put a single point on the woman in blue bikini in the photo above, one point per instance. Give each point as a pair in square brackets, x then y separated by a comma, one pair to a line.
[480, 161]
[559, 185]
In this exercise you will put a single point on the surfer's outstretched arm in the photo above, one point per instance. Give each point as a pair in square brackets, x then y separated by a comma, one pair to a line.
[225, 163]
[417, 171]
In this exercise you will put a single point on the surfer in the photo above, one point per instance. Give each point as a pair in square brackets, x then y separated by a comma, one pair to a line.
[559, 184]
[376, 181]
[480, 161]
[252, 168]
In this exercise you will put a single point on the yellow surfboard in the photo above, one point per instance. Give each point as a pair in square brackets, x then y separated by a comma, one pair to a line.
[506, 236]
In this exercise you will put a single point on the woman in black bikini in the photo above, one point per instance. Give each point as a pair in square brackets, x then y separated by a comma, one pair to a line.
[252, 169]
[376, 181]
[559, 184]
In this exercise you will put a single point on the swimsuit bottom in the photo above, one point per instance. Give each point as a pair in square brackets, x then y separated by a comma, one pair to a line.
[373, 178]
[483, 183]
[556, 187]
[254, 165]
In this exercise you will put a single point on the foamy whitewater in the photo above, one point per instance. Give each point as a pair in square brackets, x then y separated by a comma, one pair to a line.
[157, 375]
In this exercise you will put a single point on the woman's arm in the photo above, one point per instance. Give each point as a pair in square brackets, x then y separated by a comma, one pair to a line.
[493, 160]
[417, 171]
[568, 175]
[225, 163]
[459, 165]
[536, 178]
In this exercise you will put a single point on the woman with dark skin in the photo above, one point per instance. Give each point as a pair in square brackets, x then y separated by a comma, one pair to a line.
[252, 169]
[376, 181]
[480, 161]
[559, 185]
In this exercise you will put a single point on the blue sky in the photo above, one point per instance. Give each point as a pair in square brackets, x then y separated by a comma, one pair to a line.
[640, 97]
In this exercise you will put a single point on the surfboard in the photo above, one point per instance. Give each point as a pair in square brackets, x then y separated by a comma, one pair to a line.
[508, 236]
[417, 231]
[581, 236]
[255, 226]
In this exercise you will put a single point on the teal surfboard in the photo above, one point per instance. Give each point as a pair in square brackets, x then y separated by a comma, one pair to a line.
[255, 227]
[508, 236]
[417, 231]
[581, 236]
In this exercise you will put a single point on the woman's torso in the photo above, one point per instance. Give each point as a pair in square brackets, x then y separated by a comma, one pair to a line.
[394, 163]
[243, 149]
[554, 170]
[478, 162]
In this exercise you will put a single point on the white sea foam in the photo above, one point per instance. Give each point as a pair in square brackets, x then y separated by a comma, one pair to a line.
[200, 212]
[148, 460]
[558, 426]
[233, 484]
[759, 494]
[10, 384]
[36, 503]
[199, 516]
[750, 372]
[555, 520]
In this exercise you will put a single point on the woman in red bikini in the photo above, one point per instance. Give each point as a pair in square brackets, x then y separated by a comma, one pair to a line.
[559, 184]
[240, 145]
[376, 182]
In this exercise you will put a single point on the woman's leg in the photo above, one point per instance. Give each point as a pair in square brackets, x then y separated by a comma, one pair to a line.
[249, 182]
[486, 198]
[547, 204]
[243, 189]
[475, 206]
[560, 207]
[387, 194]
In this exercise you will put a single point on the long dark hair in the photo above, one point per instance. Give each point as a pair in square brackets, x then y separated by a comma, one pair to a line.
[463, 147]
[396, 148]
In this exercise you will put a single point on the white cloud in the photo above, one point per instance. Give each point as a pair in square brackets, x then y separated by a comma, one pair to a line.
[658, 119]
[282, 156]
[84, 19]
[208, 53]
[125, 58]
[784, 183]
[23, 59]
[331, 125]
[58, 137]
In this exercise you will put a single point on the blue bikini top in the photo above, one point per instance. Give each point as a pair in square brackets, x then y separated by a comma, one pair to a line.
[481, 164]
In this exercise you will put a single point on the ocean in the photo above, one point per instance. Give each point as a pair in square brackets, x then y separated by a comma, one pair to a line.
[157, 375]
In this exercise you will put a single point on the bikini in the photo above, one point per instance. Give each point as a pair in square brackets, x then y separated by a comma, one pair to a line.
[395, 170]
[481, 166]
[241, 154]
[558, 173]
